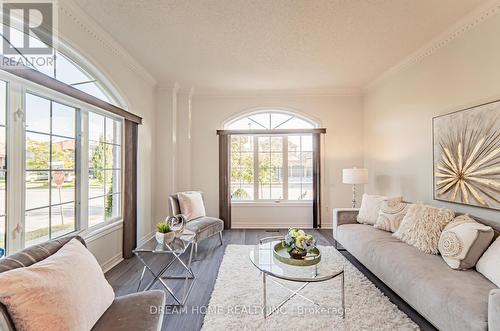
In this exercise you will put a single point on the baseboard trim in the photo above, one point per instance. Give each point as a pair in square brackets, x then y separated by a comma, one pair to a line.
[109, 264]
[415, 316]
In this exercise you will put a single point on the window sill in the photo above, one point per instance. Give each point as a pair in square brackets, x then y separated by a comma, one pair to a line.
[272, 204]
[101, 230]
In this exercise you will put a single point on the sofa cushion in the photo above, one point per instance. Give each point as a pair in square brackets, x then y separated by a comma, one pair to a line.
[137, 311]
[65, 291]
[391, 214]
[463, 241]
[422, 226]
[449, 299]
[489, 263]
[205, 227]
[370, 206]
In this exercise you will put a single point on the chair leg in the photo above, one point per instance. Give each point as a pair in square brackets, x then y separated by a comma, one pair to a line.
[196, 251]
[220, 237]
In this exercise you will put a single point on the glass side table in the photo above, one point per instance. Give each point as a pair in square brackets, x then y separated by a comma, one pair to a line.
[262, 258]
[176, 248]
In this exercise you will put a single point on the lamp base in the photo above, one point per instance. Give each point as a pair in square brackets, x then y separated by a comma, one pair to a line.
[354, 196]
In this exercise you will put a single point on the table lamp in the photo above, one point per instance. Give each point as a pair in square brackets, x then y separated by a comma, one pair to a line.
[354, 176]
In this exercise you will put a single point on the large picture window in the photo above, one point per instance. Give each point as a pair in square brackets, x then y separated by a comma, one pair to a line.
[50, 169]
[3, 165]
[271, 167]
[104, 168]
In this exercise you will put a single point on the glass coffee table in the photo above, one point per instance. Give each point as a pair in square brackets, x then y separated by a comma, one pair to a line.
[262, 257]
[176, 248]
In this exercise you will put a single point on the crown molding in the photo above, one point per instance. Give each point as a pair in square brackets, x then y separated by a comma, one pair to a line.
[89, 26]
[466, 24]
[200, 92]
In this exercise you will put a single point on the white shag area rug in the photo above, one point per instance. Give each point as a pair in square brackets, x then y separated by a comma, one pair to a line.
[237, 298]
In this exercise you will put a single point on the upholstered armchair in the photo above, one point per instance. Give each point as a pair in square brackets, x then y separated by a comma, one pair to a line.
[203, 227]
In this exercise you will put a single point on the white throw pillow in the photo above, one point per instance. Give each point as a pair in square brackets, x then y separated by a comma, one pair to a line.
[489, 264]
[422, 226]
[191, 204]
[65, 291]
[391, 214]
[370, 207]
[463, 241]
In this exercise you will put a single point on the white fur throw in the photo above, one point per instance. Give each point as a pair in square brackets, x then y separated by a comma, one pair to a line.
[422, 226]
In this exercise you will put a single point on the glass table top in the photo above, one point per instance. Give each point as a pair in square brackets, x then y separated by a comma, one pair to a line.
[178, 245]
[262, 257]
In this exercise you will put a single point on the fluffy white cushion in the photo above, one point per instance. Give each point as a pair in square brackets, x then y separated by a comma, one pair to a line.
[422, 226]
[66, 291]
[489, 263]
[391, 214]
[463, 241]
[370, 206]
[191, 204]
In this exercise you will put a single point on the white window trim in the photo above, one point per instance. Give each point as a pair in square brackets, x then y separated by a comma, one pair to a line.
[15, 220]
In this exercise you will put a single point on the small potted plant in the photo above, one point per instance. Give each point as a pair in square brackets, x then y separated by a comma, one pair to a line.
[298, 243]
[164, 235]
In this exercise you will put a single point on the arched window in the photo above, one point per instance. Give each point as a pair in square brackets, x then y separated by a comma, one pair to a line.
[68, 153]
[271, 167]
[270, 120]
[61, 66]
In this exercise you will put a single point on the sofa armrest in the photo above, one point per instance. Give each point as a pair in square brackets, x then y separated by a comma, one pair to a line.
[494, 310]
[344, 216]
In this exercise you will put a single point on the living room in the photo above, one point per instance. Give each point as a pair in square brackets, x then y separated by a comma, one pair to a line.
[250, 165]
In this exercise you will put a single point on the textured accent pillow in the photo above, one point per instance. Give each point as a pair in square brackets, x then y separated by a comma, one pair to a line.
[391, 214]
[191, 204]
[489, 264]
[66, 291]
[463, 241]
[422, 226]
[370, 206]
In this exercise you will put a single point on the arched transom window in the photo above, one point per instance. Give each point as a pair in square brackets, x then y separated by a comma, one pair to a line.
[271, 166]
[270, 120]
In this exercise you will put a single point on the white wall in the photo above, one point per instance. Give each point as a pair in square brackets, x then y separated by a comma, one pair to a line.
[137, 87]
[198, 118]
[400, 108]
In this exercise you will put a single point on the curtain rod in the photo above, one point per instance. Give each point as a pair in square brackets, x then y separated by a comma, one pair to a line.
[34, 76]
[270, 132]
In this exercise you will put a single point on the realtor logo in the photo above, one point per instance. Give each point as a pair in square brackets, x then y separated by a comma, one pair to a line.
[35, 19]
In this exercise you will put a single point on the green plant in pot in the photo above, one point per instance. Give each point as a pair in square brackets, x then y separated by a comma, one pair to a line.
[298, 243]
[164, 235]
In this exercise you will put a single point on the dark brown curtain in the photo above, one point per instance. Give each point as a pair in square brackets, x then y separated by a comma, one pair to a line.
[224, 180]
[316, 180]
[130, 189]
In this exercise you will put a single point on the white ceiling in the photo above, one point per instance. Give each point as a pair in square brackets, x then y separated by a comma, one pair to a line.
[298, 45]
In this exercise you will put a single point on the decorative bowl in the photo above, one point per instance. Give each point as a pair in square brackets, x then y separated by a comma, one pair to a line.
[281, 254]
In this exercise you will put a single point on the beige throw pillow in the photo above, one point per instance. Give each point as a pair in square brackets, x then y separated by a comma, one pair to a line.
[422, 226]
[370, 206]
[463, 241]
[391, 214]
[191, 204]
[66, 291]
[489, 264]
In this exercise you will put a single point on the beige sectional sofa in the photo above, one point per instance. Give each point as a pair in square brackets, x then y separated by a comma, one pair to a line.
[447, 298]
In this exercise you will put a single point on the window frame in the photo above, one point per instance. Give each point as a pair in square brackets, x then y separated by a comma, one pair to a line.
[17, 88]
[254, 132]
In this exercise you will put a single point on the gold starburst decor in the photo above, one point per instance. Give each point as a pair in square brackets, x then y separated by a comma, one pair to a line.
[467, 156]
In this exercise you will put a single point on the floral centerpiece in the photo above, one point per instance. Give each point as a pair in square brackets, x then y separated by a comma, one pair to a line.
[298, 243]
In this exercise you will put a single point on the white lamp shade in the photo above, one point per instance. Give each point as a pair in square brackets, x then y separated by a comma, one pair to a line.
[355, 176]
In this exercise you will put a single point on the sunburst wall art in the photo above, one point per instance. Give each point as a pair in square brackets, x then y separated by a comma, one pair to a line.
[467, 156]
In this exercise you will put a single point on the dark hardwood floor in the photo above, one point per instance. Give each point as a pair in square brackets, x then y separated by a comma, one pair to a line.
[125, 276]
